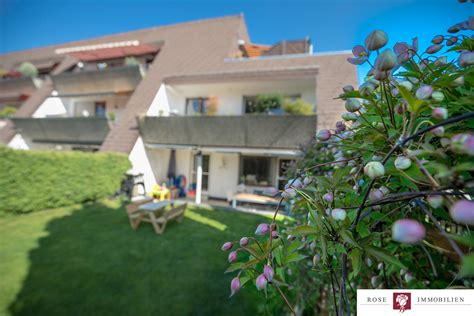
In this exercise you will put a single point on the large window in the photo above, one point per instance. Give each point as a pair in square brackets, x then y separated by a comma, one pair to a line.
[205, 171]
[196, 106]
[256, 171]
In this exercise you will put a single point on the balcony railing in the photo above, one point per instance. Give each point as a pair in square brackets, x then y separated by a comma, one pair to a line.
[246, 131]
[114, 79]
[67, 130]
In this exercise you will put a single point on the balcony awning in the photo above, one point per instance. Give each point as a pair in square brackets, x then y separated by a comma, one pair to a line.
[67, 130]
[272, 132]
[114, 52]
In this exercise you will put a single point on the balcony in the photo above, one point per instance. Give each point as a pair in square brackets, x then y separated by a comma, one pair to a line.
[67, 130]
[18, 86]
[247, 131]
[109, 80]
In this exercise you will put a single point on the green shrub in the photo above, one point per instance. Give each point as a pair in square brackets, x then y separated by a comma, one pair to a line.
[265, 103]
[28, 69]
[298, 107]
[37, 180]
[7, 111]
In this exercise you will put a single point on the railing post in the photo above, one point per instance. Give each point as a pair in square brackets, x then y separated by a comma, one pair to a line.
[198, 177]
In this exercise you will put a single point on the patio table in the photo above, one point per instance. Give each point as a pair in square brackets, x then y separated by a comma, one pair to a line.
[253, 199]
[157, 215]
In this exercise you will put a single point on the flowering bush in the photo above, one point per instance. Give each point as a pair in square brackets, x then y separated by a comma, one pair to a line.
[384, 200]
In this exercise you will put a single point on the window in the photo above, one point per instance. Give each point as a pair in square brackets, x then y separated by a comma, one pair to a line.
[205, 171]
[256, 171]
[99, 109]
[196, 106]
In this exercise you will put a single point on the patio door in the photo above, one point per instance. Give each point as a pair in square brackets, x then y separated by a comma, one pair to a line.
[205, 171]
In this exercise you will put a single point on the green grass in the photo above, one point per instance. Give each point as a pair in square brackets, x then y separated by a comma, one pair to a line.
[86, 260]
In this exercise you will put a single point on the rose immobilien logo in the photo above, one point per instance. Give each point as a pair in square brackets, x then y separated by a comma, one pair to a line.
[402, 301]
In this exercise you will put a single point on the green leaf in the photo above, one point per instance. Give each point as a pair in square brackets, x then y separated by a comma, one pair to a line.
[349, 238]
[303, 230]
[385, 256]
[356, 260]
[408, 97]
[234, 267]
[467, 266]
[463, 239]
[363, 230]
[294, 257]
[294, 246]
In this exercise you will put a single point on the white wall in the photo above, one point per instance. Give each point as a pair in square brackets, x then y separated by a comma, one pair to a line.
[230, 95]
[223, 174]
[141, 164]
[159, 106]
[51, 107]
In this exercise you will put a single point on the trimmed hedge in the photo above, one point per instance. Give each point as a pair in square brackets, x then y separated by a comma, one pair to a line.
[37, 180]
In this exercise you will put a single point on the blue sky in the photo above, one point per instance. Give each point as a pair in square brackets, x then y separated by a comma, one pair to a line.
[331, 24]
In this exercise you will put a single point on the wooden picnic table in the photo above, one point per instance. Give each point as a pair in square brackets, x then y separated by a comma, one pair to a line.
[154, 213]
[253, 199]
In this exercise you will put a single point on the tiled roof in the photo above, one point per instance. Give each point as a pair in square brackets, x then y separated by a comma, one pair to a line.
[193, 49]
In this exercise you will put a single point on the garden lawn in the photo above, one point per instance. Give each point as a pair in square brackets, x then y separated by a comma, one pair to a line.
[86, 260]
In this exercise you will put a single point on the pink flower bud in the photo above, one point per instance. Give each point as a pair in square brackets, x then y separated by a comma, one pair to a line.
[451, 41]
[294, 183]
[438, 39]
[234, 286]
[227, 246]
[352, 105]
[435, 201]
[232, 256]
[288, 193]
[339, 214]
[433, 49]
[462, 212]
[375, 195]
[290, 238]
[376, 40]
[348, 88]
[424, 92]
[402, 163]
[261, 282]
[316, 259]
[374, 169]
[386, 61]
[445, 142]
[408, 231]
[463, 143]
[348, 116]
[384, 190]
[323, 135]
[268, 272]
[273, 227]
[439, 113]
[367, 89]
[466, 59]
[244, 241]
[438, 131]
[437, 96]
[328, 197]
[262, 229]
[275, 235]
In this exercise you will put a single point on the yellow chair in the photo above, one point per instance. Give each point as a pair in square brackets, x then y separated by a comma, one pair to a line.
[161, 192]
